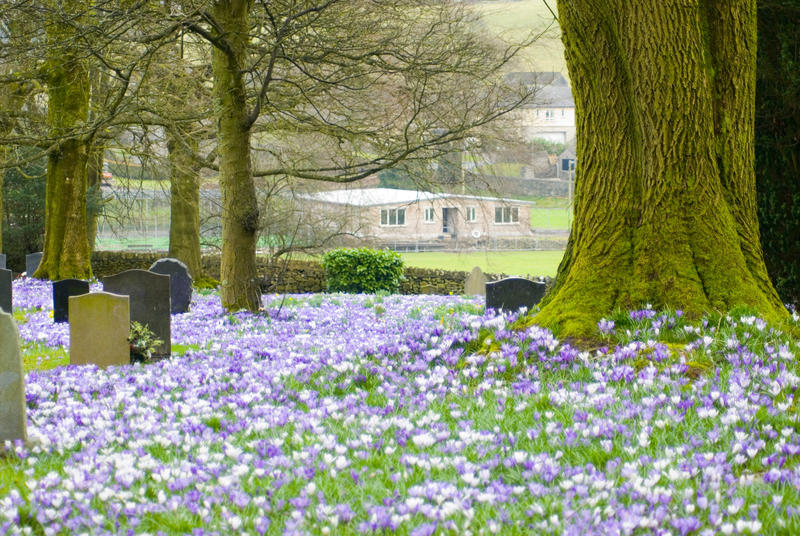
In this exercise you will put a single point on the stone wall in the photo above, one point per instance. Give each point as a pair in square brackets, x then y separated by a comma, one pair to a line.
[291, 277]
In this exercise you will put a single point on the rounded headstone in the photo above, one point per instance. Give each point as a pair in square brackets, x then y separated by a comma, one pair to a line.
[180, 282]
[511, 293]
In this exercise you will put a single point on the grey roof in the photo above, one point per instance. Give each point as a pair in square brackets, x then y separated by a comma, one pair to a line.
[552, 89]
[369, 197]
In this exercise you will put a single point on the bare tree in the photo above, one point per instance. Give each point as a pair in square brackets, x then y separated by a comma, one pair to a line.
[335, 90]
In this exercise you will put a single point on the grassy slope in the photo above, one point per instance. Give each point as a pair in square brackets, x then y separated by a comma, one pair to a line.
[514, 20]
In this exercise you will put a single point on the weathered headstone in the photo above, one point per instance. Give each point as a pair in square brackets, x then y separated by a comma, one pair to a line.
[5, 290]
[62, 290]
[427, 288]
[513, 292]
[32, 262]
[99, 324]
[149, 302]
[12, 383]
[180, 282]
[475, 283]
[2, 261]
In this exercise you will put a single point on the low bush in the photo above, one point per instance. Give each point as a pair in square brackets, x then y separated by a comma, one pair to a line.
[362, 270]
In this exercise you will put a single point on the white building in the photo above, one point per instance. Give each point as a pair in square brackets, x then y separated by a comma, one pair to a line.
[391, 216]
[551, 115]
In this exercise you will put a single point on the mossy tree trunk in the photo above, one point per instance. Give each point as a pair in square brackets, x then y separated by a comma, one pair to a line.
[665, 208]
[94, 198]
[238, 283]
[66, 247]
[184, 223]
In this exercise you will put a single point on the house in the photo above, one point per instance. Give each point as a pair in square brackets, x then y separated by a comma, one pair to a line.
[551, 114]
[390, 216]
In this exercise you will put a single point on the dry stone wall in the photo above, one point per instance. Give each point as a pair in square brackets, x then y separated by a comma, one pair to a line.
[289, 277]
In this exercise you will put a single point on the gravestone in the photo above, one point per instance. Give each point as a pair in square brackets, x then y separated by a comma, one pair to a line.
[149, 302]
[427, 288]
[32, 262]
[12, 383]
[511, 293]
[475, 283]
[99, 324]
[62, 290]
[2, 261]
[180, 282]
[5, 290]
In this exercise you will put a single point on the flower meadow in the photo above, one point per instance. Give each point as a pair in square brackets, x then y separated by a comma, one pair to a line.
[419, 415]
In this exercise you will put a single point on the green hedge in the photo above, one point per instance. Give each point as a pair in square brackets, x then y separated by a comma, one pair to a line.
[362, 270]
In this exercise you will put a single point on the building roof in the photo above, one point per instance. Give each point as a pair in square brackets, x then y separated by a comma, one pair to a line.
[552, 89]
[369, 197]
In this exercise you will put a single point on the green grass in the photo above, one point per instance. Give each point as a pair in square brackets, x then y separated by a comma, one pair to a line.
[550, 218]
[513, 20]
[532, 263]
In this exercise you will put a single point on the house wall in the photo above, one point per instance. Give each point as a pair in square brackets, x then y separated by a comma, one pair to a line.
[559, 127]
[417, 229]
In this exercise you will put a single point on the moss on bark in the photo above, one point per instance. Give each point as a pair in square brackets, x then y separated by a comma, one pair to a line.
[184, 224]
[66, 247]
[238, 283]
[664, 193]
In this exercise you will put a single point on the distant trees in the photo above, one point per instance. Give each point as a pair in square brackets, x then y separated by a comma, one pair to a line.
[777, 142]
[327, 90]
[334, 91]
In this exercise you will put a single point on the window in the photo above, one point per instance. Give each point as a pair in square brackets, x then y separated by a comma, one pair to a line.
[393, 216]
[506, 215]
[549, 114]
[429, 215]
[471, 214]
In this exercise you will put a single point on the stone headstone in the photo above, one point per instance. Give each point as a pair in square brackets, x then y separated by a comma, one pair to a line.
[32, 262]
[99, 324]
[2, 261]
[62, 290]
[5, 290]
[514, 292]
[475, 283]
[180, 282]
[12, 383]
[427, 288]
[150, 302]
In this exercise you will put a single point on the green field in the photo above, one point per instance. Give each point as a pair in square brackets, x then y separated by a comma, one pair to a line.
[514, 20]
[522, 263]
[549, 218]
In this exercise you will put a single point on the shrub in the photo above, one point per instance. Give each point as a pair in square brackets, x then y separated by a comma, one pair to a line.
[142, 342]
[362, 270]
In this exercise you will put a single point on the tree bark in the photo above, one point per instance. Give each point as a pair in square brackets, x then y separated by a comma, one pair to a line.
[66, 247]
[184, 223]
[238, 283]
[665, 193]
[94, 198]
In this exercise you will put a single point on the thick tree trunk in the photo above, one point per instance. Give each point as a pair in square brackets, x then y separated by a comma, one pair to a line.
[66, 247]
[239, 286]
[184, 223]
[664, 195]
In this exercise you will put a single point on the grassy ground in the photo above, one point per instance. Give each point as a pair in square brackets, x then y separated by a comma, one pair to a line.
[522, 263]
[550, 218]
[514, 20]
